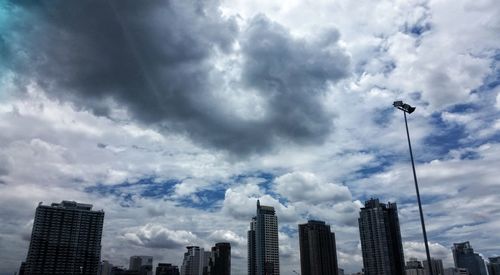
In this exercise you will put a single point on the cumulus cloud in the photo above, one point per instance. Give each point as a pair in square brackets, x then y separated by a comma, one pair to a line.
[158, 236]
[304, 186]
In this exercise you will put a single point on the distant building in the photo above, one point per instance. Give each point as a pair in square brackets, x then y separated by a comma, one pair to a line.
[456, 271]
[380, 236]
[263, 248]
[252, 248]
[142, 264]
[220, 260]
[105, 268]
[195, 261]
[494, 266]
[166, 269]
[414, 267]
[318, 251]
[464, 257]
[436, 266]
[66, 239]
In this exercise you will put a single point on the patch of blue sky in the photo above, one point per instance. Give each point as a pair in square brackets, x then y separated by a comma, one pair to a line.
[381, 117]
[208, 200]
[146, 187]
[445, 137]
[379, 165]
[290, 230]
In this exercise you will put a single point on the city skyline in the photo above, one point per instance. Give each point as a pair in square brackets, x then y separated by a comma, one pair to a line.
[175, 117]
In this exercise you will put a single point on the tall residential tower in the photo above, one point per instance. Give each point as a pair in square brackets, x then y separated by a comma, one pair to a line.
[263, 249]
[318, 252]
[464, 257]
[66, 239]
[381, 239]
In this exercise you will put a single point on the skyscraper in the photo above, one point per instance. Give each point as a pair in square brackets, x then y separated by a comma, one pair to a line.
[464, 257]
[436, 266]
[195, 261]
[494, 266]
[252, 248]
[221, 259]
[380, 236]
[66, 239]
[263, 257]
[318, 252]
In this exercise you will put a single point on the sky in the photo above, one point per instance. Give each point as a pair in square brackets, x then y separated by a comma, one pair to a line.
[174, 117]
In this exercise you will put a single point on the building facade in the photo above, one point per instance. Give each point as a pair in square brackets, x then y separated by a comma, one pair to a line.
[142, 264]
[220, 261]
[494, 266]
[195, 261]
[263, 247]
[464, 257]
[414, 267]
[380, 236]
[436, 266]
[66, 239]
[105, 268]
[318, 251]
[166, 269]
[456, 271]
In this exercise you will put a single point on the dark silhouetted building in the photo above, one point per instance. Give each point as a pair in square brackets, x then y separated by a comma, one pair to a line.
[166, 269]
[380, 236]
[318, 251]
[494, 266]
[142, 264]
[252, 248]
[22, 269]
[436, 265]
[263, 248]
[220, 260]
[66, 239]
[456, 271]
[464, 257]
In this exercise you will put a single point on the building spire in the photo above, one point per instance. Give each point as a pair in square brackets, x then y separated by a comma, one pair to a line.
[258, 203]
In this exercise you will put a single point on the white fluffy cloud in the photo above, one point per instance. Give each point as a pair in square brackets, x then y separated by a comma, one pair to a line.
[304, 186]
[157, 236]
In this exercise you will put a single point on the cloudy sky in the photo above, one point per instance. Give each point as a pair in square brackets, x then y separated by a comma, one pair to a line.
[176, 116]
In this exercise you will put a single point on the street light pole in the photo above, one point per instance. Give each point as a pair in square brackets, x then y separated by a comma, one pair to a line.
[409, 109]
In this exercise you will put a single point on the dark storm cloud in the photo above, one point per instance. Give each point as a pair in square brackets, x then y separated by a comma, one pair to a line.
[156, 59]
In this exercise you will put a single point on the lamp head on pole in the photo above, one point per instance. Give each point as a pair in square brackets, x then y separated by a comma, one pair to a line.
[403, 107]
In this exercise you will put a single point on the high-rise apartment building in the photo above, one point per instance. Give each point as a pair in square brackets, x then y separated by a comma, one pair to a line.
[318, 251]
[66, 239]
[436, 266]
[166, 269]
[252, 248]
[494, 266]
[220, 263]
[195, 261]
[263, 249]
[380, 236]
[464, 257]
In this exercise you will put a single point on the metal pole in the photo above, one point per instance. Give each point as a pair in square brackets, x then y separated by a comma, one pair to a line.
[418, 199]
